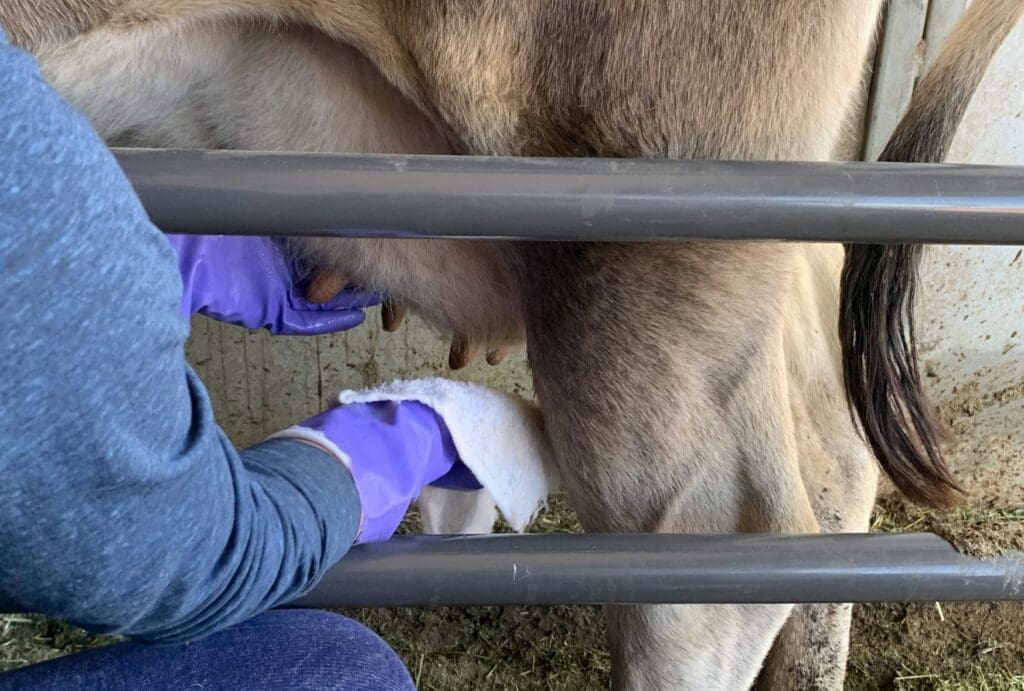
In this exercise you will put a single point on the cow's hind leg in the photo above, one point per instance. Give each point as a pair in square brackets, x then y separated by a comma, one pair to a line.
[839, 473]
[662, 377]
[810, 651]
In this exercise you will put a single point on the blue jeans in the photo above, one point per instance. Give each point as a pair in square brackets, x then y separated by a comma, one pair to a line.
[281, 649]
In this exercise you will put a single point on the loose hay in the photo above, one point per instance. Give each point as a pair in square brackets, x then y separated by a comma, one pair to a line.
[980, 532]
[27, 639]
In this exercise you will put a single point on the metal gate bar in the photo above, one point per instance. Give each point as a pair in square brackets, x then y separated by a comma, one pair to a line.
[253, 193]
[663, 569]
[248, 193]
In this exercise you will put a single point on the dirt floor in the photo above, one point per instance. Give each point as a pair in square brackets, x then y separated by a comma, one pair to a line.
[893, 646]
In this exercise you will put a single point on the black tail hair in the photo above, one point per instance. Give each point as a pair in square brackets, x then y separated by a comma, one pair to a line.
[883, 381]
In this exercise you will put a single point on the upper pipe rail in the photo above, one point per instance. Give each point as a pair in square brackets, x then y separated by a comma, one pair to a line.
[663, 569]
[228, 192]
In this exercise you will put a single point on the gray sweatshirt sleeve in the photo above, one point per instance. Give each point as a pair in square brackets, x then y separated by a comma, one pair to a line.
[123, 507]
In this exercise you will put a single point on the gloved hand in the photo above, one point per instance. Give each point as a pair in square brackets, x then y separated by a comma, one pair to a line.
[248, 281]
[393, 450]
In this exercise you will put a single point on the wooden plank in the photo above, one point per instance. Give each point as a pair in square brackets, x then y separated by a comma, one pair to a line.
[897, 66]
[261, 383]
[258, 383]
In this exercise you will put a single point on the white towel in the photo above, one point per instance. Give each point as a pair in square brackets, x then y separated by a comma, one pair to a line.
[500, 437]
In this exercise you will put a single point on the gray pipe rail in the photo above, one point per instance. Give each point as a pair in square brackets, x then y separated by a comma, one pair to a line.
[592, 569]
[252, 193]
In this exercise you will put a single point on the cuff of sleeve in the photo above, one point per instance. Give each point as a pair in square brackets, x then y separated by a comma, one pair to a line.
[325, 484]
[316, 438]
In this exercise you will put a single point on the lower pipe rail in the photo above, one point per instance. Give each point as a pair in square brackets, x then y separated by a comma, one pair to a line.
[593, 569]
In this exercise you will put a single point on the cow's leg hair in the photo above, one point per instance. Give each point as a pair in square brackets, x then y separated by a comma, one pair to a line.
[699, 647]
[693, 433]
[810, 651]
[840, 475]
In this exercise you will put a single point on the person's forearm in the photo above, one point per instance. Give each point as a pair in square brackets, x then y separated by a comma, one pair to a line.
[291, 485]
[124, 508]
[173, 550]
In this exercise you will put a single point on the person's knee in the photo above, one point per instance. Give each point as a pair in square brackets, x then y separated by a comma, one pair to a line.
[327, 650]
[281, 649]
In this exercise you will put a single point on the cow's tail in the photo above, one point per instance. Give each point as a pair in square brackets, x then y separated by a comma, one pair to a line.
[883, 382]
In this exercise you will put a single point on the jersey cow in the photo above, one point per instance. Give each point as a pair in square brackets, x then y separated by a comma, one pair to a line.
[697, 387]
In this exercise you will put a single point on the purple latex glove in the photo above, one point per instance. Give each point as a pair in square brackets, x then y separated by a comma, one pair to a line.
[247, 281]
[394, 450]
